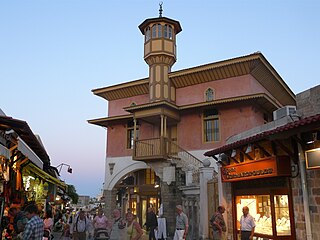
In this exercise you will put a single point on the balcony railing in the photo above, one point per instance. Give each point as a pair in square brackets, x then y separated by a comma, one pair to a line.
[151, 149]
[162, 149]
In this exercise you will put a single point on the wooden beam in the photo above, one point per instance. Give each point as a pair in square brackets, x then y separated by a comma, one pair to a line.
[246, 154]
[265, 152]
[284, 148]
[13, 148]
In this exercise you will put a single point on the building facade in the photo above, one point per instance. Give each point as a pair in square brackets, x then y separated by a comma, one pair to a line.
[159, 127]
[275, 171]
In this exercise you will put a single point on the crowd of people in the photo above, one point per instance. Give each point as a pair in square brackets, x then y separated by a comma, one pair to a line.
[31, 223]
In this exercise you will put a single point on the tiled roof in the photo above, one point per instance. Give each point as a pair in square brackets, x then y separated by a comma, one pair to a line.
[285, 128]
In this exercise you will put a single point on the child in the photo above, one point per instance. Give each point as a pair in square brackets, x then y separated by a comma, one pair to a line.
[66, 232]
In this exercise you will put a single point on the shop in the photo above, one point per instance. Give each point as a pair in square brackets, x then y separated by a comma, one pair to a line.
[274, 173]
[264, 187]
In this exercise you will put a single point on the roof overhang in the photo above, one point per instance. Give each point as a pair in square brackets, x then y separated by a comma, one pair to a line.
[108, 121]
[286, 131]
[26, 134]
[125, 90]
[148, 21]
[254, 64]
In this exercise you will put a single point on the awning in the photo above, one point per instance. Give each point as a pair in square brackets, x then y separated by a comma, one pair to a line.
[4, 152]
[27, 151]
[39, 172]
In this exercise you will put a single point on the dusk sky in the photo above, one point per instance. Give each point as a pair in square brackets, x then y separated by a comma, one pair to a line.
[53, 53]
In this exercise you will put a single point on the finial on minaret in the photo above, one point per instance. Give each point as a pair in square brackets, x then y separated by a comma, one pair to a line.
[160, 10]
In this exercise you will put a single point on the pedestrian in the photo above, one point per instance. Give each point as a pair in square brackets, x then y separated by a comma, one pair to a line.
[34, 228]
[134, 231]
[218, 224]
[19, 219]
[118, 228]
[247, 225]
[100, 222]
[66, 232]
[182, 224]
[81, 227]
[151, 223]
[48, 224]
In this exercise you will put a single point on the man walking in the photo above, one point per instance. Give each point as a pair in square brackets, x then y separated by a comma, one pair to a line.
[34, 228]
[182, 224]
[151, 223]
[81, 226]
[247, 225]
[118, 229]
[218, 224]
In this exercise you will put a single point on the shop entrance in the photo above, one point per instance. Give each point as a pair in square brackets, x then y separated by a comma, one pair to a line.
[270, 203]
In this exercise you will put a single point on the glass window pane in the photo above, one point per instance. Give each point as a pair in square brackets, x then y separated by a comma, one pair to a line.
[159, 30]
[166, 31]
[281, 206]
[148, 34]
[259, 208]
[154, 31]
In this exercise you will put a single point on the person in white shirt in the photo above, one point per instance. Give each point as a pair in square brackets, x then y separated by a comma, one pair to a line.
[247, 225]
[81, 225]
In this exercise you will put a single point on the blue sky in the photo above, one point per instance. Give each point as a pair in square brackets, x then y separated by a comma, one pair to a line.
[53, 53]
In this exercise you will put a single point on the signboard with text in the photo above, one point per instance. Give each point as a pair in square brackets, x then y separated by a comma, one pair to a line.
[267, 167]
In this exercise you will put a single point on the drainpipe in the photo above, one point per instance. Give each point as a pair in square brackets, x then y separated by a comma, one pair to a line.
[302, 165]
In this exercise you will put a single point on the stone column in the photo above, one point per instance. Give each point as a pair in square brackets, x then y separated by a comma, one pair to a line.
[110, 202]
[206, 174]
[170, 197]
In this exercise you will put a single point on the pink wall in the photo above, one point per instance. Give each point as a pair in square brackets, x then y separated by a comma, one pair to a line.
[115, 107]
[232, 121]
[224, 88]
[117, 135]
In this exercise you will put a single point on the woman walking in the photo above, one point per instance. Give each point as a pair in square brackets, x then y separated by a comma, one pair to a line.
[134, 231]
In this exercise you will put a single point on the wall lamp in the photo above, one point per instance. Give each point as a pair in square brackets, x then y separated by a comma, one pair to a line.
[69, 170]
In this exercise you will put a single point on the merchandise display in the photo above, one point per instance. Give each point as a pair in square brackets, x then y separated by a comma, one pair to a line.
[260, 207]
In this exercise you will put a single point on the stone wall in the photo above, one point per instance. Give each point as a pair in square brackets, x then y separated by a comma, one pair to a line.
[308, 102]
[110, 202]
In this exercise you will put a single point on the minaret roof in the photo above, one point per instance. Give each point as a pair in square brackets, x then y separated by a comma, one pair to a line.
[146, 22]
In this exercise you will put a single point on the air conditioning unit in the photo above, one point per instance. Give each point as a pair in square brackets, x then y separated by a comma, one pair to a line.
[284, 111]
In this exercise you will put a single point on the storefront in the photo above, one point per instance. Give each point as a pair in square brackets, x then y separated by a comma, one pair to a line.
[264, 187]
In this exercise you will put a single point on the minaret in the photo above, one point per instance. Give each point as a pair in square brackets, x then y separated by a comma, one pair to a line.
[160, 54]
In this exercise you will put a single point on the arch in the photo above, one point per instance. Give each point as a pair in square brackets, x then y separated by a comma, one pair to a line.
[134, 166]
[209, 94]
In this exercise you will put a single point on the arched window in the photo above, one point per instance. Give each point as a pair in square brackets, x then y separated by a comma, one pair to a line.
[159, 30]
[167, 31]
[170, 36]
[147, 34]
[209, 95]
[154, 31]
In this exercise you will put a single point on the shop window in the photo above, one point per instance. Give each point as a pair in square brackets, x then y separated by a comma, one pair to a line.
[130, 134]
[209, 95]
[211, 125]
[282, 215]
[149, 176]
[261, 208]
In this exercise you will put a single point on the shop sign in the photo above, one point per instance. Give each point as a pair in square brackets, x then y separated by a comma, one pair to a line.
[269, 167]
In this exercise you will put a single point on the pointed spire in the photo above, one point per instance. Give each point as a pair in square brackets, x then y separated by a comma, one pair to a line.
[160, 9]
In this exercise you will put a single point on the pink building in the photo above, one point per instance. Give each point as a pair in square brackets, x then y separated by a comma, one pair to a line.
[159, 127]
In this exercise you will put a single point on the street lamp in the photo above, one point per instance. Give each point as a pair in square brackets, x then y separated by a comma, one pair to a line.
[69, 170]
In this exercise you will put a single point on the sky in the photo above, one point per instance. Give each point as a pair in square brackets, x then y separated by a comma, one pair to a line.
[53, 53]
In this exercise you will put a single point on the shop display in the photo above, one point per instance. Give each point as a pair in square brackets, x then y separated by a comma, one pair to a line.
[260, 207]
